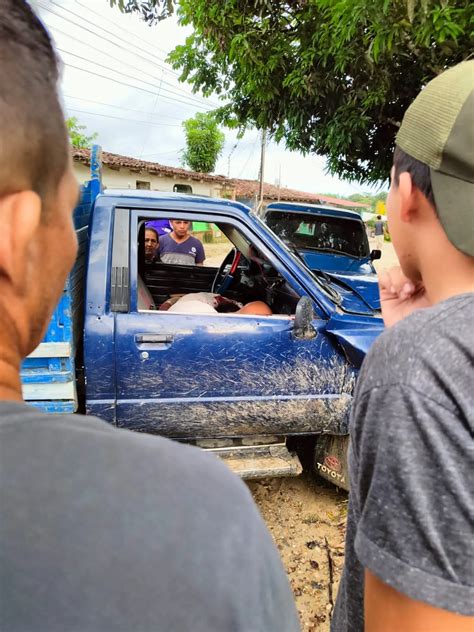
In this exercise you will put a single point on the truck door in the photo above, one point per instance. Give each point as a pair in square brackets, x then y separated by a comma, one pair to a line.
[223, 375]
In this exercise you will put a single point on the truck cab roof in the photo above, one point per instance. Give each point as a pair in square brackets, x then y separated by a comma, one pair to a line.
[145, 196]
[313, 209]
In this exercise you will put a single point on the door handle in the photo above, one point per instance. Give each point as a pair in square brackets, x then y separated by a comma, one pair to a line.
[154, 339]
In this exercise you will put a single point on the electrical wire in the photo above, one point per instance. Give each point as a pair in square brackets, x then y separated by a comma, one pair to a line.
[117, 59]
[150, 61]
[121, 27]
[121, 118]
[129, 85]
[179, 90]
[119, 107]
[191, 100]
[51, 10]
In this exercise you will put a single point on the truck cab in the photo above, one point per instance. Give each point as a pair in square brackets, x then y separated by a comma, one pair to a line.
[222, 379]
[243, 384]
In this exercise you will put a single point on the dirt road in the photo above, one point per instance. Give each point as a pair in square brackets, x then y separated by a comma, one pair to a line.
[306, 519]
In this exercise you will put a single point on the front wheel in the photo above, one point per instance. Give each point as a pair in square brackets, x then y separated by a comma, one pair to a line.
[330, 459]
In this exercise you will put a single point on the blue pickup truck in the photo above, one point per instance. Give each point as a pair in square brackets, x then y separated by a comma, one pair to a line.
[248, 387]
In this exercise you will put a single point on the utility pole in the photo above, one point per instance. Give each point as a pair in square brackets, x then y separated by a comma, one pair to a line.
[279, 182]
[262, 170]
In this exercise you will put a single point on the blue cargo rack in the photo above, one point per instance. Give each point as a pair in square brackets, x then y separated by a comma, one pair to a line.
[49, 373]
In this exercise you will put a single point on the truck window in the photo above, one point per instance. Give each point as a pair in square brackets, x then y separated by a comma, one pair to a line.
[234, 276]
[326, 233]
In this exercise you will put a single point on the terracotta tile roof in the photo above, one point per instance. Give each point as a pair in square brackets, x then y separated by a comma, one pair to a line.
[116, 161]
[248, 189]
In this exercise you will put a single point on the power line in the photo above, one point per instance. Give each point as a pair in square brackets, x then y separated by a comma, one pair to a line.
[121, 118]
[120, 27]
[153, 61]
[191, 100]
[117, 107]
[179, 90]
[150, 116]
[128, 85]
[101, 51]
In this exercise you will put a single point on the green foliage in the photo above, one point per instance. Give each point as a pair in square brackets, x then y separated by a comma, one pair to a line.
[368, 198]
[331, 77]
[78, 139]
[204, 143]
[151, 10]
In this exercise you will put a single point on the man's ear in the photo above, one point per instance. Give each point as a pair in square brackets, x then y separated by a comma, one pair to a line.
[20, 216]
[407, 194]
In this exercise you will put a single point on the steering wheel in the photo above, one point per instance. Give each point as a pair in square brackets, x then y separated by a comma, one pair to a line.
[222, 279]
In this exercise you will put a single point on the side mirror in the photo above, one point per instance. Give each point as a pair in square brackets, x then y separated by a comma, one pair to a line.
[375, 254]
[304, 317]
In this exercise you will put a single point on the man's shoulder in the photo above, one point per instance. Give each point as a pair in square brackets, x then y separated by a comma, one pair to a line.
[427, 338]
[194, 240]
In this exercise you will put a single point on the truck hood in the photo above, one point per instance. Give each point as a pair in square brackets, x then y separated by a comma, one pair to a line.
[354, 279]
[364, 286]
[358, 294]
[332, 262]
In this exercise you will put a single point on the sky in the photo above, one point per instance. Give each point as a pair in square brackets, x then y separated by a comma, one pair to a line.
[116, 81]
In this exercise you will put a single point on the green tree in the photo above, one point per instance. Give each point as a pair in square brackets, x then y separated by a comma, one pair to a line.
[332, 77]
[204, 142]
[151, 10]
[78, 139]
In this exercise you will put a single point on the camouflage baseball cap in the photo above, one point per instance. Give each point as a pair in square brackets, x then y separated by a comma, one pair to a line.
[438, 130]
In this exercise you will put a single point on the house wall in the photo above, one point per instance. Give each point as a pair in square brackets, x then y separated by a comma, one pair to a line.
[126, 179]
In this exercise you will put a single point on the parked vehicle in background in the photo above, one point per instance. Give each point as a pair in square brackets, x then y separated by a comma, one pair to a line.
[332, 242]
[244, 386]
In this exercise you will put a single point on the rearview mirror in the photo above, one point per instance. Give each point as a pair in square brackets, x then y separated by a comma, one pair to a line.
[304, 317]
[375, 254]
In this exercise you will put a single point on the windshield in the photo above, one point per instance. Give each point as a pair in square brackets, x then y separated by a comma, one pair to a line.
[292, 251]
[320, 232]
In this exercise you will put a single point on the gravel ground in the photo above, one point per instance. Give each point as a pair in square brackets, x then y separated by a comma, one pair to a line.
[306, 518]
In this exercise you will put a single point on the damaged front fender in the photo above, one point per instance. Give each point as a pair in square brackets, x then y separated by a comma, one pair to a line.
[355, 334]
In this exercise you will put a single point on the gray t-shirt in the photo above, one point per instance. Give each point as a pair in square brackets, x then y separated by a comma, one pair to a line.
[411, 504]
[379, 227]
[106, 530]
[185, 253]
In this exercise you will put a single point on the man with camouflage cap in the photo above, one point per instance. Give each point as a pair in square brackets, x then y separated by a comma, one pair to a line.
[409, 556]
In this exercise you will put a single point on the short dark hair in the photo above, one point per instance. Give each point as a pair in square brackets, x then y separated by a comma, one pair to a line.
[420, 173]
[379, 217]
[34, 142]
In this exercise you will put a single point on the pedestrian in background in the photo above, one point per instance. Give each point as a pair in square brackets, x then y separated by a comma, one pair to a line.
[379, 232]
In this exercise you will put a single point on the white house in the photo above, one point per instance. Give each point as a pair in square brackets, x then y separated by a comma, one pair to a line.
[124, 172]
